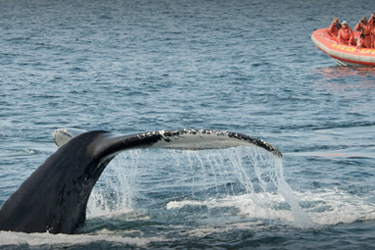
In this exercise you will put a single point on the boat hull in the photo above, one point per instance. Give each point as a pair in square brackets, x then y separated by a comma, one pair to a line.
[343, 55]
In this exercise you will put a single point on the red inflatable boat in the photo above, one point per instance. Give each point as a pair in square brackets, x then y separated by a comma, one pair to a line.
[343, 55]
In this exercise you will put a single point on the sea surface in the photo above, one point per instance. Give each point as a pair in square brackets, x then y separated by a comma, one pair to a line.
[130, 66]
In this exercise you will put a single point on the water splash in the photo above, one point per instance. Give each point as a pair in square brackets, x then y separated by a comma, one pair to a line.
[247, 179]
[116, 188]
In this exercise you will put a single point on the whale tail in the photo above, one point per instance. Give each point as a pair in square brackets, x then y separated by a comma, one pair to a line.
[186, 139]
[54, 197]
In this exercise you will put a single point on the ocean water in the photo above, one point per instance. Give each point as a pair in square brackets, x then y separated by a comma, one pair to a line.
[242, 66]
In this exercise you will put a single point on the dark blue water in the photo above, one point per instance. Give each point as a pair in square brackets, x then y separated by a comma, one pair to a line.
[243, 66]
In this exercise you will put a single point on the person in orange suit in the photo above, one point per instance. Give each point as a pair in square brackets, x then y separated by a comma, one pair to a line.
[334, 28]
[346, 35]
[371, 21]
[364, 39]
[371, 27]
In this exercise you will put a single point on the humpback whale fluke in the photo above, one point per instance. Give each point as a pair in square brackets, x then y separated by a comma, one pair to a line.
[185, 139]
[54, 197]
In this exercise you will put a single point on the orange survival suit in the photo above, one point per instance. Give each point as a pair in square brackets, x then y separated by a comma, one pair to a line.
[364, 39]
[371, 27]
[334, 28]
[346, 35]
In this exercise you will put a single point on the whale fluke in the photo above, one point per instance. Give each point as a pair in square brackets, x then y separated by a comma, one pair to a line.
[54, 197]
[185, 139]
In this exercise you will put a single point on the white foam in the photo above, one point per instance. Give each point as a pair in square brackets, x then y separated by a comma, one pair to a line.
[245, 206]
[326, 207]
[66, 240]
[335, 206]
